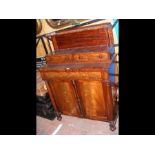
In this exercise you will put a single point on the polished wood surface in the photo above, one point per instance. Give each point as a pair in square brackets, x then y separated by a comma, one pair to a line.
[65, 97]
[84, 37]
[72, 75]
[79, 58]
[98, 48]
[93, 99]
[81, 91]
[77, 74]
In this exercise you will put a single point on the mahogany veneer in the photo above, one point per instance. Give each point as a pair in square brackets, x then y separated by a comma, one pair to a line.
[77, 75]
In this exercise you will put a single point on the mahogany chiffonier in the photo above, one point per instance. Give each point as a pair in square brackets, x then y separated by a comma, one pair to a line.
[77, 75]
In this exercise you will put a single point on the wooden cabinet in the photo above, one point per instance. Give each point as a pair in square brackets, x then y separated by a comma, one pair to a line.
[80, 90]
[82, 98]
[77, 77]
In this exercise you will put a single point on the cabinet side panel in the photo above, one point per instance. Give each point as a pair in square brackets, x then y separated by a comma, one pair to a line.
[65, 97]
[108, 97]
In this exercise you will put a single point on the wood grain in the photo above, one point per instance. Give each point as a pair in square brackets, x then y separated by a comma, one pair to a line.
[93, 99]
[77, 75]
[83, 37]
[65, 97]
[79, 58]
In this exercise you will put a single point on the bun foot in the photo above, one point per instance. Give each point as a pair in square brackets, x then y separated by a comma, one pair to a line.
[112, 126]
[59, 118]
[58, 115]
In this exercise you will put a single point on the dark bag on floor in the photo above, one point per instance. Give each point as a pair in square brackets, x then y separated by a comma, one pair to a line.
[44, 107]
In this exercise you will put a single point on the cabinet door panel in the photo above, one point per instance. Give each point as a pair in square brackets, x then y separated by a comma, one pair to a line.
[92, 99]
[65, 97]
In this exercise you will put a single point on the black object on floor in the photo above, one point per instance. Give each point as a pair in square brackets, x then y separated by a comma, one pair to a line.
[44, 107]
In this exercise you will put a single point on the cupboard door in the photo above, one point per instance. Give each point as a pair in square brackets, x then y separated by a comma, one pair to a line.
[65, 97]
[92, 99]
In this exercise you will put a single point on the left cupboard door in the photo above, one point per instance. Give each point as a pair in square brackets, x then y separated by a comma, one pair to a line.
[64, 96]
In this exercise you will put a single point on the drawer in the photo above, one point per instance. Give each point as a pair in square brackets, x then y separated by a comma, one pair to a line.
[73, 75]
[91, 57]
[77, 58]
[58, 59]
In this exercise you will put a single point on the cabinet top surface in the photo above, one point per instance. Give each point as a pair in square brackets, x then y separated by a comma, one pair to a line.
[99, 48]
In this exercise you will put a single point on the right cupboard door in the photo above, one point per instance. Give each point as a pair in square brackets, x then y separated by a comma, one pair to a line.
[92, 98]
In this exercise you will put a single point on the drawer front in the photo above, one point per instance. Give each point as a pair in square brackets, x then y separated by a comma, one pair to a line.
[91, 57]
[78, 58]
[74, 75]
[55, 59]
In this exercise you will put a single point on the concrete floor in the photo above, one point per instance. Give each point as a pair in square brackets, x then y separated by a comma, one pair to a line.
[73, 126]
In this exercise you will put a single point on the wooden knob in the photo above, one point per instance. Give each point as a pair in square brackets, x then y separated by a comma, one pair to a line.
[67, 69]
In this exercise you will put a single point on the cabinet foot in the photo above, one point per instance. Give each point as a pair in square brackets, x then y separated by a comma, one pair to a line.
[112, 126]
[58, 115]
[59, 118]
